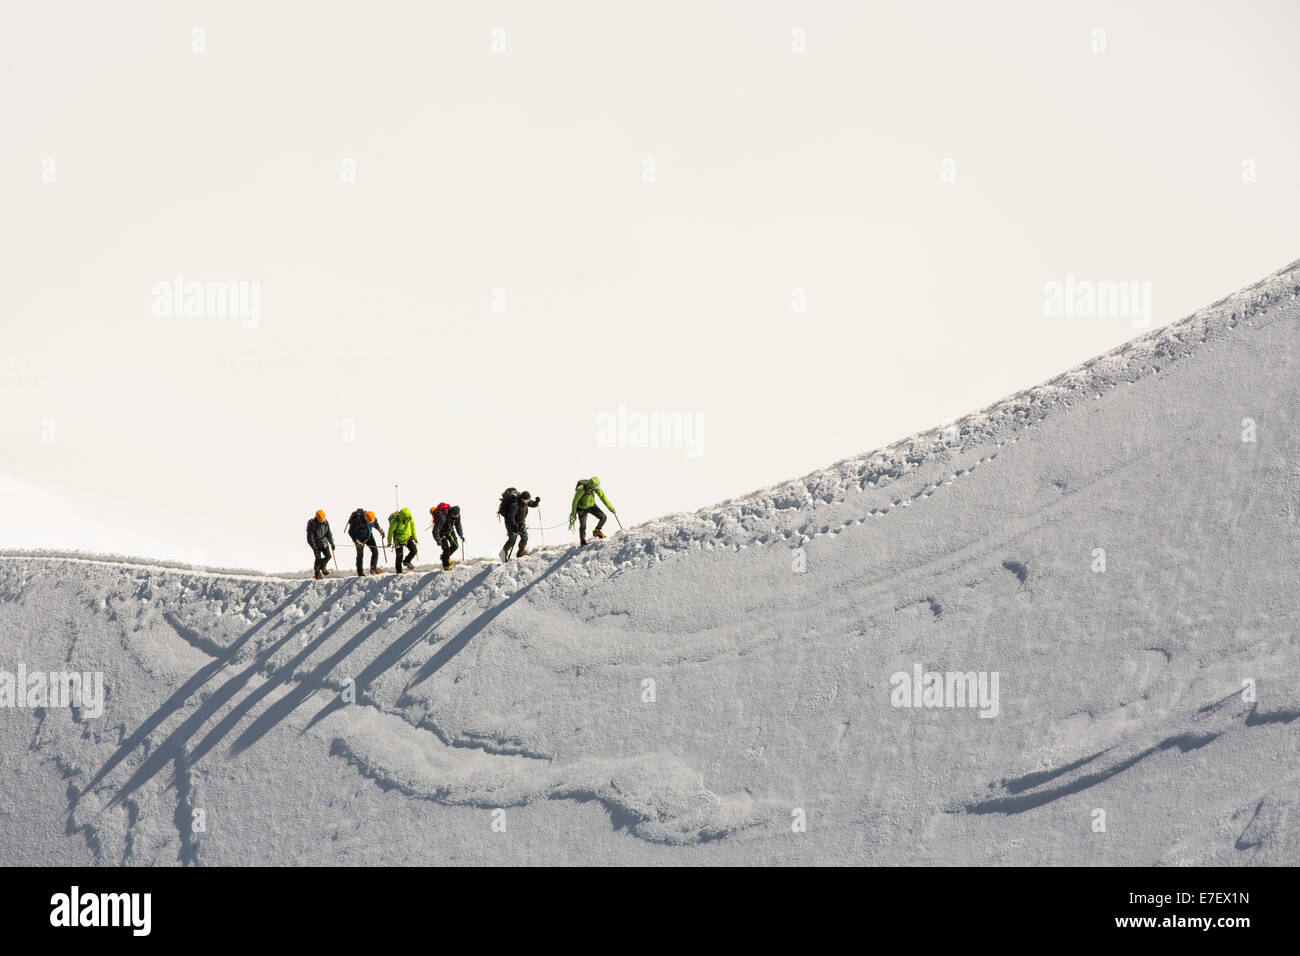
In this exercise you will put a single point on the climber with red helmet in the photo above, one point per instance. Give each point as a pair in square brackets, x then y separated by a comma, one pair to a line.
[446, 529]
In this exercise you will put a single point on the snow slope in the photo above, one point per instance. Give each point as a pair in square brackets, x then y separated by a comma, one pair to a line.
[503, 714]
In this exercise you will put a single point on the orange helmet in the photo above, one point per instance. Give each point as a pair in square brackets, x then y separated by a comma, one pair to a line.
[320, 516]
[370, 516]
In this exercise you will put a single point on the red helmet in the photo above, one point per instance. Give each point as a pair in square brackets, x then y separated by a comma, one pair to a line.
[443, 506]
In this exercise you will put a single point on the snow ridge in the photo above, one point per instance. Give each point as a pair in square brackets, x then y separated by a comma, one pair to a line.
[770, 515]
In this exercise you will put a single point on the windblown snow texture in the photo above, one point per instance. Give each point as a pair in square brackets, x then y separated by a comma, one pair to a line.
[692, 690]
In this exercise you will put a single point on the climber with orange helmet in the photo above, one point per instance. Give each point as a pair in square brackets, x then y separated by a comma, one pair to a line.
[318, 536]
[361, 528]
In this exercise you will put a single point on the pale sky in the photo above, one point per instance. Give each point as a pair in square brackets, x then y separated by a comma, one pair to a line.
[919, 171]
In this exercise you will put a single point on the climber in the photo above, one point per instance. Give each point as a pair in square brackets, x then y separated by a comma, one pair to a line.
[318, 535]
[446, 529]
[401, 531]
[584, 503]
[361, 528]
[514, 509]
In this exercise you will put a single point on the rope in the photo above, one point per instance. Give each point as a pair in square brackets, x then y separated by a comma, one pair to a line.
[531, 527]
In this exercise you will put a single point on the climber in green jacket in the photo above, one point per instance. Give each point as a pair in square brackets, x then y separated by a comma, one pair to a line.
[401, 531]
[584, 503]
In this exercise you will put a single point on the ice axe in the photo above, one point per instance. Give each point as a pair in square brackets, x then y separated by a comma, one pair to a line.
[620, 524]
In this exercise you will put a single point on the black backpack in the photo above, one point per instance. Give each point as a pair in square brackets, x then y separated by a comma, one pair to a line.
[357, 523]
[508, 499]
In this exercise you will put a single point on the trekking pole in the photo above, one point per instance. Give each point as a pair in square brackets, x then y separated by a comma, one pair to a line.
[335, 556]
[462, 551]
[620, 524]
[541, 530]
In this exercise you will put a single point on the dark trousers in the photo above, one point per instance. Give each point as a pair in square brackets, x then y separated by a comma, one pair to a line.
[374, 554]
[521, 534]
[322, 558]
[410, 554]
[582, 520]
[449, 546]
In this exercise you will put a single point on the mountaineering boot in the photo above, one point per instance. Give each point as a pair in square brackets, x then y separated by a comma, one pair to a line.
[597, 533]
[446, 565]
[521, 551]
[361, 574]
[503, 555]
[319, 575]
[376, 571]
[583, 544]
